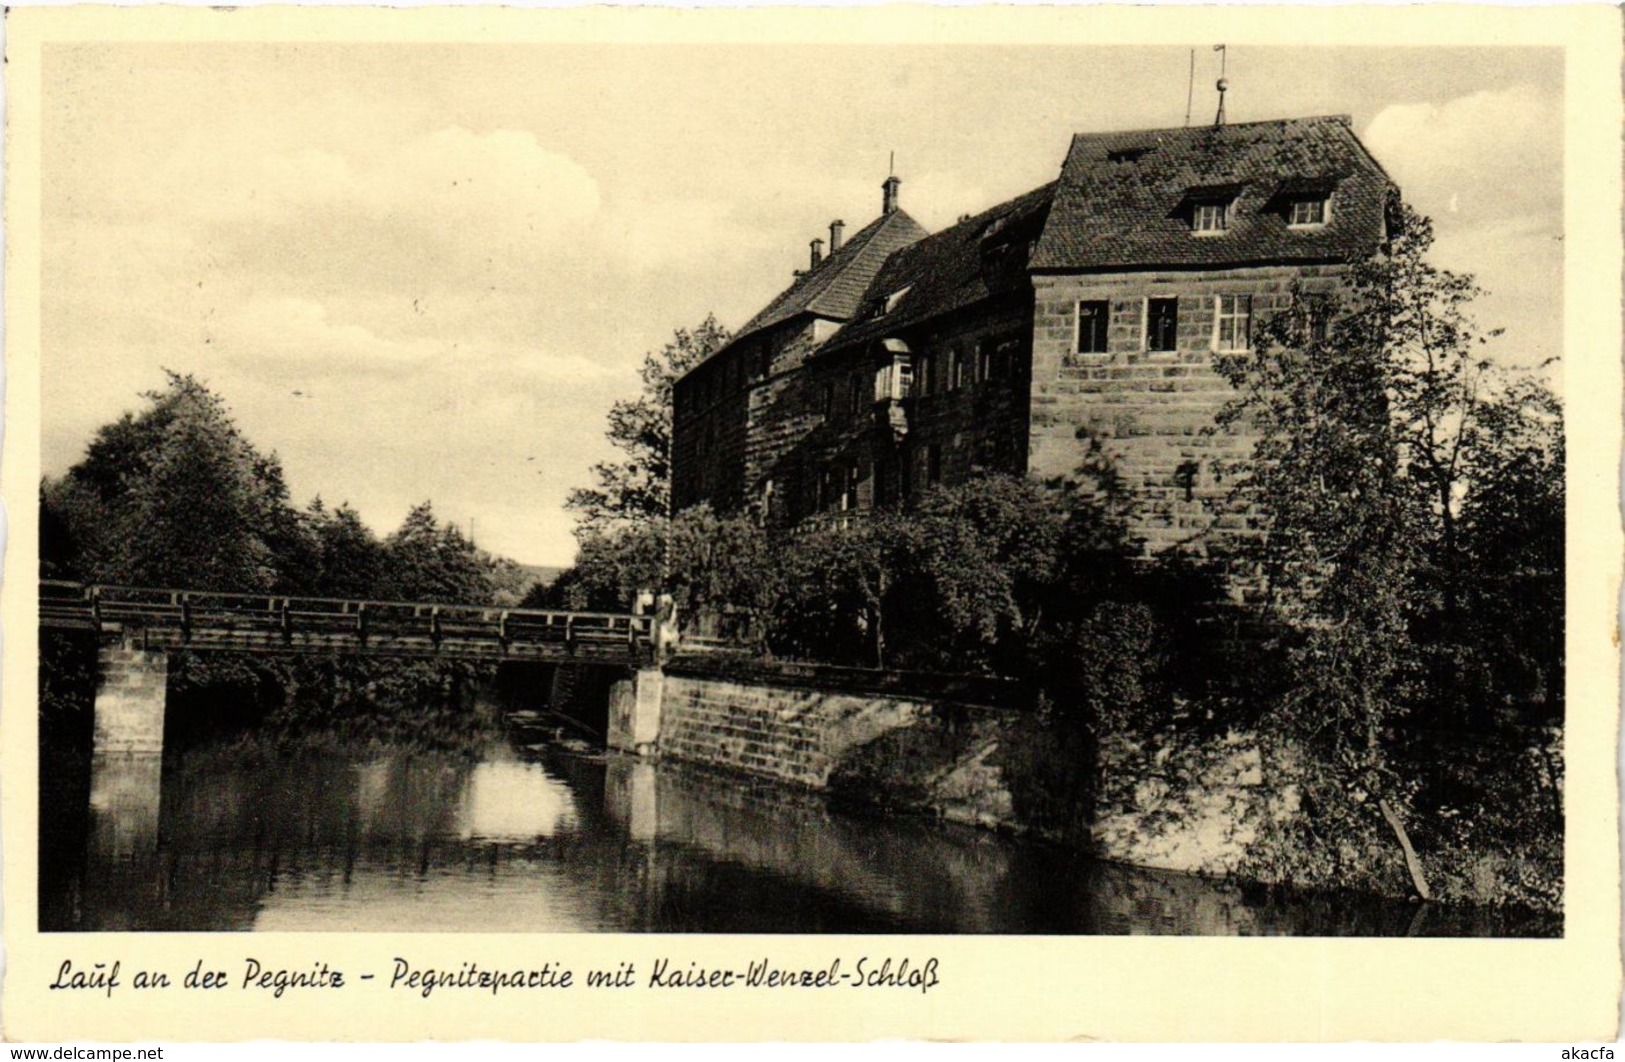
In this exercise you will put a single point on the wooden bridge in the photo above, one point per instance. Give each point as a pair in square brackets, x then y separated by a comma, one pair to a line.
[160, 620]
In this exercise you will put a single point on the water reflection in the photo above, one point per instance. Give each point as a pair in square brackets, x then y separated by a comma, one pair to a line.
[548, 842]
[125, 792]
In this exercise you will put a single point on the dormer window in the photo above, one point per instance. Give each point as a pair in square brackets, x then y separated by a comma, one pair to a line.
[1207, 207]
[1210, 218]
[1126, 155]
[1307, 212]
[1304, 202]
[892, 301]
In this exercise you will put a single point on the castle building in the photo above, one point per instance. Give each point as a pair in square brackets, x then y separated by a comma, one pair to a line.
[1069, 331]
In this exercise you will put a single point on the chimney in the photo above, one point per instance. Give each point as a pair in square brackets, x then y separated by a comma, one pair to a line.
[817, 253]
[837, 229]
[888, 203]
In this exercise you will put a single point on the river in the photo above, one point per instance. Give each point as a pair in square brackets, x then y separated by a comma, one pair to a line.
[535, 839]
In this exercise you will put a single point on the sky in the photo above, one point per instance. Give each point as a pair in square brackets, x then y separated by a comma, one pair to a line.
[422, 271]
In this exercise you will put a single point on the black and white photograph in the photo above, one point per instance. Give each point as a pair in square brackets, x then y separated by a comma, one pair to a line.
[802, 488]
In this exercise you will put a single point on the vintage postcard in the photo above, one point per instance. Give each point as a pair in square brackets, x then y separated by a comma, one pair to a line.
[812, 523]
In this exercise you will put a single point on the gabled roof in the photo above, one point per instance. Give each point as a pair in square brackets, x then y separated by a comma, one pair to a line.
[1123, 199]
[978, 258]
[835, 286]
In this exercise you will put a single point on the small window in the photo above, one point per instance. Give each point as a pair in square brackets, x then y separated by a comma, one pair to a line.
[849, 487]
[1210, 217]
[902, 378]
[984, 360]
[1317, 313]
[1307, 212]
[1162, 324]
[1007, 356]
[956, 368]
[856, 393]
[894, 378]
[1232, 322]
[1093, 317]
[829, 400]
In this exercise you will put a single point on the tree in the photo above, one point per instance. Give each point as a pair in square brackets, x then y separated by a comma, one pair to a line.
[424, 561]
[720, 571]
[1497, 645]
[839, 587]
[175, 496]
[350, 559]
[984, 553]
[637, 486]
[1369, 434]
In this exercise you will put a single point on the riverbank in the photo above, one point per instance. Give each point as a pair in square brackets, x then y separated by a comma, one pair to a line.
[1205, 803]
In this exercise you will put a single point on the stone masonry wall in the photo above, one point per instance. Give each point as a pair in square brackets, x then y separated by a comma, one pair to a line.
[941, 433]
[944, 753]
[789, 734]
[1145, 415]
[783, 408]
[130, 694]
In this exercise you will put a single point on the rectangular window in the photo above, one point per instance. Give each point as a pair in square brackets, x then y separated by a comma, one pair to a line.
[829, 400]
[1007, 356]
[856, 393]
[1232, 319]
[1308, 212]
[933, 463]
[1316, 313]
[984, 360]
[1210, 217]
[903, 377]
[956, 368]
[1093, 317]
[1162, 324]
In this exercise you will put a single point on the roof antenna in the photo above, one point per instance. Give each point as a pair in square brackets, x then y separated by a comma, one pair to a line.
[1190, 88]
[1222, 84]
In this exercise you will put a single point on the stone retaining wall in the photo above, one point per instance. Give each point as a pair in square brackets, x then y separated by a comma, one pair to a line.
[792, 734]
[885, 740]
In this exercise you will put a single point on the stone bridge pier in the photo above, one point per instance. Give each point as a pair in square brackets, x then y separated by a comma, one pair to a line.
[127, 748]
[634, 711]
[130, 690]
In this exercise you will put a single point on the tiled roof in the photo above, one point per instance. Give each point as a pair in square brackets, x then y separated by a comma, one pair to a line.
[982, 256]
[1124, 199]
[834, 288]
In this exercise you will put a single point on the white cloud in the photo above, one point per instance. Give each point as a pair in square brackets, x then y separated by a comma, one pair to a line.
[1493, 153]
[450, 176]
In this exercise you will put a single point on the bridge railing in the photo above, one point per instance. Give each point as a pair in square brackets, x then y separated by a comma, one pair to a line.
[100, 607]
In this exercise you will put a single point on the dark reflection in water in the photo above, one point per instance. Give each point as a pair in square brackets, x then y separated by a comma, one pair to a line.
[550, 842]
